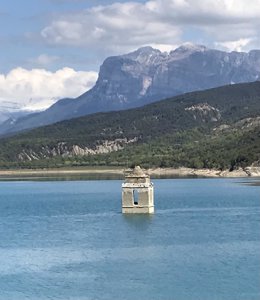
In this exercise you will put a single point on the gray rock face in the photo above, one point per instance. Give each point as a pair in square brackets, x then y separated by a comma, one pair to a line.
[147, 75]
[65, 150]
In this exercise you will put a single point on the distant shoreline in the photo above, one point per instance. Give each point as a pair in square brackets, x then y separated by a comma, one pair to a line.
[180, 172]
[246, 172]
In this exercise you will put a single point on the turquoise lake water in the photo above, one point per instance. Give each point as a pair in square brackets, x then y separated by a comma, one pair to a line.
[69, 240]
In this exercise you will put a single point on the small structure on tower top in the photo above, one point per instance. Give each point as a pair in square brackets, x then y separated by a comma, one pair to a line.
[137, 193]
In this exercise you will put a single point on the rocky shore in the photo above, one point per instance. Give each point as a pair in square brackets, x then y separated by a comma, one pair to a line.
[253, 171]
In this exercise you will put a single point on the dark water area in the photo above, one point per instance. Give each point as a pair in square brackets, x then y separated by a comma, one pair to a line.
[69, 240]
[253, 182]
[62, 177]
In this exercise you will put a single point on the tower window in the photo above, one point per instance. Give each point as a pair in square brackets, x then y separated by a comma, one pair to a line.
[135, 197]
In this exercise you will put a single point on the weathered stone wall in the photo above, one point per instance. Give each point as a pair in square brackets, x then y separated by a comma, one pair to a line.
[145, 199]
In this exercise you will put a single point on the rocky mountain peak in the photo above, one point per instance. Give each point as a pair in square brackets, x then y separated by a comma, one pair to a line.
[192, 47]
[144, 55]
[186, 50]
[143, 51]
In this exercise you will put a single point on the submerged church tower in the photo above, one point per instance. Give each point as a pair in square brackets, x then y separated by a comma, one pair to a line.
[137, 193]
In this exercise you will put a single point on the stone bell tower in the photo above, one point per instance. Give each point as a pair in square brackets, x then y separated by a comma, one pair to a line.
[137, 193]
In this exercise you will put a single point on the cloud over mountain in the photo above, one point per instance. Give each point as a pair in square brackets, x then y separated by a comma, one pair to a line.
[116, 27]
[123, 26]
[38, 88]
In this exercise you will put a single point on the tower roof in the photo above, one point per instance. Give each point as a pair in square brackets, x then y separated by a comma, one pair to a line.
[137, 172]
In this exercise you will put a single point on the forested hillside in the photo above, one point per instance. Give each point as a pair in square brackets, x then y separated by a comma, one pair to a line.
[216, 128]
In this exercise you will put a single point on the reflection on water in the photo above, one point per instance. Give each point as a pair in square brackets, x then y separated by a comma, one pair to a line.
[138, 221]
[252, 182]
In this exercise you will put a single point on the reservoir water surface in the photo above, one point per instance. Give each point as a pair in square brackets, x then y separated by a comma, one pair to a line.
[69, 240]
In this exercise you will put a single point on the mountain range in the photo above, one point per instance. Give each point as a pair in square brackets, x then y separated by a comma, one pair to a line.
[147, 75]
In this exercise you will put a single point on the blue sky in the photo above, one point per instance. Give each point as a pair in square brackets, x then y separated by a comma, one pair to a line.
[21, 23]
[63, 41]
[20, 18]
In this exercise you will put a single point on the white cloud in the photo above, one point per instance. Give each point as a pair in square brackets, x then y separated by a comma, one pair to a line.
[164, 47]
[38, 88]
[124, 26]
[237, 45]
[114, 27]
